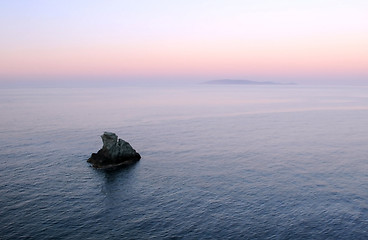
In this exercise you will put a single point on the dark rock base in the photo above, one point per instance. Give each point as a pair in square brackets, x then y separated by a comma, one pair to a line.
[99, 160]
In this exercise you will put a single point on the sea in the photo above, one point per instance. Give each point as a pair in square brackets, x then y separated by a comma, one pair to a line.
[218, 162]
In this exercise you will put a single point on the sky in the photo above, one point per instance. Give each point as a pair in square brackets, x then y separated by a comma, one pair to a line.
[310, 41]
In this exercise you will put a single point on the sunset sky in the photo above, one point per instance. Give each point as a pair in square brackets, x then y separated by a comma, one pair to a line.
[312, 41]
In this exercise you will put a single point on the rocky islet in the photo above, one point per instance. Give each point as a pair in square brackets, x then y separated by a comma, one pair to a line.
[114, 153]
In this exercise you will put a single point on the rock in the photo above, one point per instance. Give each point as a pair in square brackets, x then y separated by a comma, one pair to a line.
[113, 153]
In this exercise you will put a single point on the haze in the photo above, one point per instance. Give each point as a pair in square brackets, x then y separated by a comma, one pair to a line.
[284, 41]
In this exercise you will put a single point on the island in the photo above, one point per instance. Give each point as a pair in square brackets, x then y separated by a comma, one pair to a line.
[241, 82]
[114, 153]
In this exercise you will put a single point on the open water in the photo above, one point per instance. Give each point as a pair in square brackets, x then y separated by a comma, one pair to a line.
[218, 162]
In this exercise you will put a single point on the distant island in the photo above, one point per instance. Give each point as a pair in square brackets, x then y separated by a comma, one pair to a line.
[242, 82]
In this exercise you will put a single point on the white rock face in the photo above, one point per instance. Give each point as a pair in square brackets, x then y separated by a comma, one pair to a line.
[109, 140]
[114, 152]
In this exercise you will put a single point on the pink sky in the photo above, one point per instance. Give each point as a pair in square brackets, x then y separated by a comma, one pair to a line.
[211, 39]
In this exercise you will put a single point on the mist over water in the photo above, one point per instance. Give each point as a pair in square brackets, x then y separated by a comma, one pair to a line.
[218, 162]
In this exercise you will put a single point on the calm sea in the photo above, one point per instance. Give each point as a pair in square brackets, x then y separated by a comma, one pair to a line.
[218, 162]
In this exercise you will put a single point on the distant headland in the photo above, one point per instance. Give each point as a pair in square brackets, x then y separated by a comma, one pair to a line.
[243, 82]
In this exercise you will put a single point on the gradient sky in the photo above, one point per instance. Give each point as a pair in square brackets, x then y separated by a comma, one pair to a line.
[283, 40]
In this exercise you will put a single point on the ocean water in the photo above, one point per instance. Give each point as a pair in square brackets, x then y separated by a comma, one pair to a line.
[218, 162]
